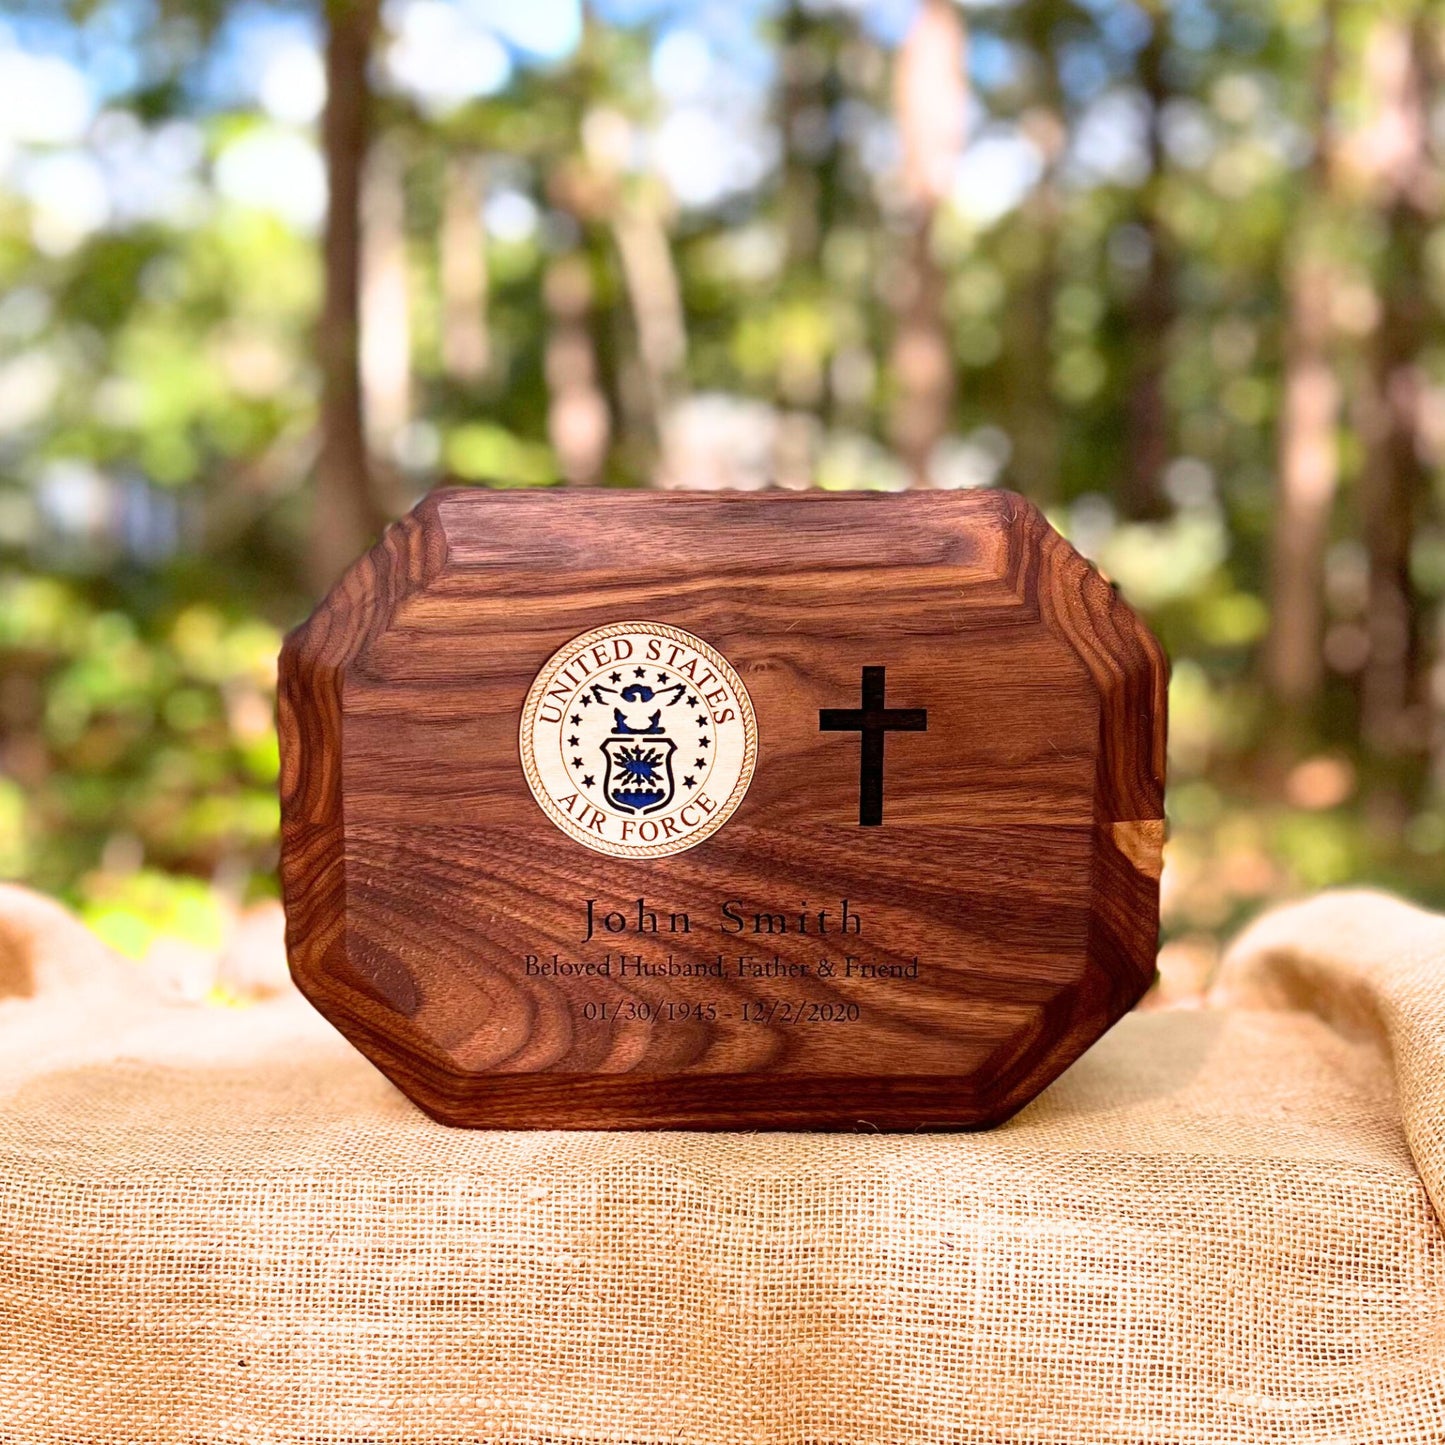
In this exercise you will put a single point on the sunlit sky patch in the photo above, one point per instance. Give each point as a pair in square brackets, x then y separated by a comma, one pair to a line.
[511, 215]
[248, 61]
[541, 30]
[995, 173]
[274, 170]
[69, 197]
[441, 55]
[44, 99]
[151, 172]
[293, 83]
[105, 48]
[1110, 143]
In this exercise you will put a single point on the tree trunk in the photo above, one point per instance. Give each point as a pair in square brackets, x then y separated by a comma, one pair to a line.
[385, 301]
[1147, 431]
[921, 360]
[1306, 492]
[655, 297]
[1308, 460]
[345, 518]
[579, 423]
[1028, 323]
[1031, 412]
[930, 99]
[466, 350]
[1391, 486]
[799, 97]
[1394, 478]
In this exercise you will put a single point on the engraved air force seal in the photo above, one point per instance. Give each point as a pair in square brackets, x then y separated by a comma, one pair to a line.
[638, 739]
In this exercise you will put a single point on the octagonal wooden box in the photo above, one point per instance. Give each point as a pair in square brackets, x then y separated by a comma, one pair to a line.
[859, 824]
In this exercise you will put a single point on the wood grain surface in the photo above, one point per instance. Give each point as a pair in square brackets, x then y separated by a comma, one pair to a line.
[1007, 904]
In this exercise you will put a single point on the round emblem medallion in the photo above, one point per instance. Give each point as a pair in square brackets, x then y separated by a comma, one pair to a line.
[638, 739]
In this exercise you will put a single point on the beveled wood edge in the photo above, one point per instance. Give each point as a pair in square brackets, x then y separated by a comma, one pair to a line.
[409, 555]
[525, 497]
[711, 1102]
[1142, 843]
[1121, 951]
[1131, 673]
[310, 675]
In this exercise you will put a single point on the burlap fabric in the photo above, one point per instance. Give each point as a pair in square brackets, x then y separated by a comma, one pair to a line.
[222, 1226]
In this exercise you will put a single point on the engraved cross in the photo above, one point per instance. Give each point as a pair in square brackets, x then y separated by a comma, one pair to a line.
[873, 721]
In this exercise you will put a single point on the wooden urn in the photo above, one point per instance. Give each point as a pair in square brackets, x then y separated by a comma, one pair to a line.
[710, 811]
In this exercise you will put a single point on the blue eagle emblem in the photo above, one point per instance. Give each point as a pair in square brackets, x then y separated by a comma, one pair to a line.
[638, 752]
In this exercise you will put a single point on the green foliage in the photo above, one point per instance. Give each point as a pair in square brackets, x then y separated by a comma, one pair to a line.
[130, 911]
[159, 384]
[149, 740]
[483, 452]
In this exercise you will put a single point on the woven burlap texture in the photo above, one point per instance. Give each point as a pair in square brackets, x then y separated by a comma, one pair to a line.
[223, 1226]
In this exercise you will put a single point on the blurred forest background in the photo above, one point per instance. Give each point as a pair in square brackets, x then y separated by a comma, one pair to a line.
[268, 271]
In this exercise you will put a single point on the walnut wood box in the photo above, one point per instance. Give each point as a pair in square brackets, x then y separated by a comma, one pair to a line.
[722, 811]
